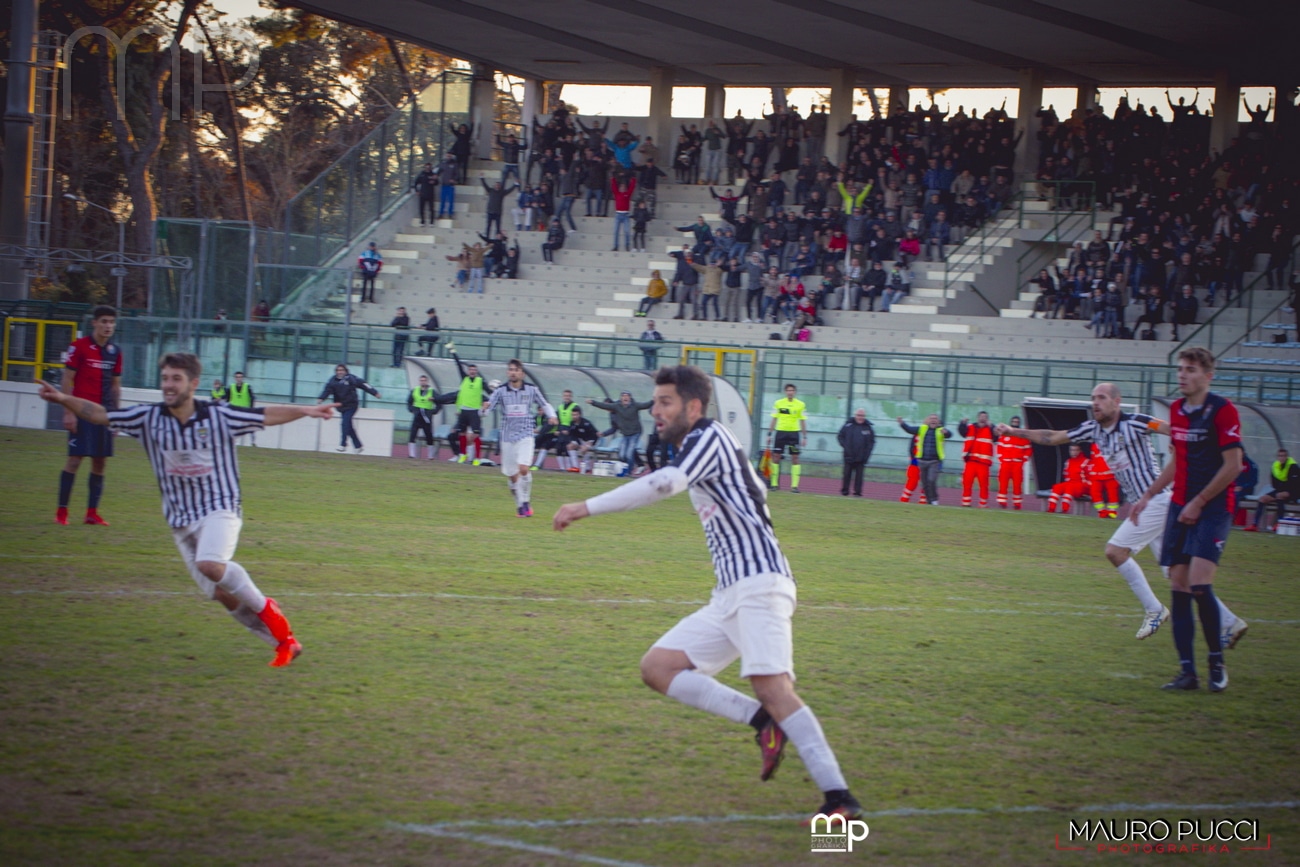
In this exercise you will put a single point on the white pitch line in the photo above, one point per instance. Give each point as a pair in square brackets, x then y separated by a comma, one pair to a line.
[905, 812]
[507, 843]
[470, 597]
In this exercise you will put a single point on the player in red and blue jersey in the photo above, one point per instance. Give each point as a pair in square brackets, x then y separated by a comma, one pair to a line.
[92, 371]
[1206, 434]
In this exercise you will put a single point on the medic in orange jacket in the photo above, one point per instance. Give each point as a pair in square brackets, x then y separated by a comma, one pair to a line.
[1074, 481]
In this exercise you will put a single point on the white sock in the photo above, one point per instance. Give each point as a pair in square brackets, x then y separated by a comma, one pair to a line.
[704, 693]
[1226, 617]
[1131, 572]
[410, 449]
[565, 462]
[808, 738]
[428, 453]
[526, 487]
[254, 624]
[237, 583]
[514, 491]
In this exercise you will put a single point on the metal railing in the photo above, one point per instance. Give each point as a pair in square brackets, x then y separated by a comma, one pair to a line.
[1218, 335]
[1071, 207]
[985, 241]
[372, 178]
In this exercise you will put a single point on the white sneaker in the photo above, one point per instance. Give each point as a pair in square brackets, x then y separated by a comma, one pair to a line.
[360, 449]
[1152, 622]
[1233, 634]
[341, 449]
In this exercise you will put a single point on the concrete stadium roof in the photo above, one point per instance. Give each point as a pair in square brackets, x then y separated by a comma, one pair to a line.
[921, 43]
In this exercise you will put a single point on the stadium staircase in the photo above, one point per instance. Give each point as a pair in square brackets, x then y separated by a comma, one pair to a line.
[957, 307]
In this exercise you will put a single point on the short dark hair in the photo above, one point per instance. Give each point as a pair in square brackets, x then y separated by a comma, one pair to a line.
[691, 383]
[239, 373]
[789, 384]
[515, 362]
[186, 361]
[103, 310]
[1199, 356]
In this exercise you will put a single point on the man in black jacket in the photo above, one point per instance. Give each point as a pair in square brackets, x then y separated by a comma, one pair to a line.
[580, 440]
[426, 186]
[342, 389]
[496, 198]
[857, 438]
[402, 323]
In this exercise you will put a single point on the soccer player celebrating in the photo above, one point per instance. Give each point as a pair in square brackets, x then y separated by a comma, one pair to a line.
[191, 446]
[92, 371]
[469, 401]
[749, 614]
[1124, 439]
[790, 426]
[1206, 460]
[517, 400]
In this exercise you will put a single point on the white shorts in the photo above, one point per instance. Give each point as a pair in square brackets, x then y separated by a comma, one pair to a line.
[750, 620]
[1148, 531]
[212, 538]
[515, 455]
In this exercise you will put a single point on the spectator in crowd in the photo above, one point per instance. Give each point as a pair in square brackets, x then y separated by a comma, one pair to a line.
[640, 222]
[262, 311]
[342, 389]
[496, 202]
[430, 335]
[555, 236]
[402, 323]
[476, 255]
[461, 147]
[928, 450]
[219, 391]
[1153, 312]
[1185, 309]
[425, 185]
[857, 438]
[448, 173]
[626, 415]
[1284, 476]
[650, 338]
[462, 267]
[622, 188]
[370, 264]
[647, 184]
[710, 287]
[580, 441]
[897, 287]
[655, 292]
[1246, 482]
[510, 151]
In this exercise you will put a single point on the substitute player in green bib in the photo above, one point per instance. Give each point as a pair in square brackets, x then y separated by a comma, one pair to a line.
[789, 430]
[240, 395]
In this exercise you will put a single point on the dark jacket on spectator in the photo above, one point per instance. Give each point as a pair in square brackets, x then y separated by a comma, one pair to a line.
[857, 440]
[344, 391]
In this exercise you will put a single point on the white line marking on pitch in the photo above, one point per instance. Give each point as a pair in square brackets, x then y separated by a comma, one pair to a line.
[470, 597]
[906, 812]
[506, 842]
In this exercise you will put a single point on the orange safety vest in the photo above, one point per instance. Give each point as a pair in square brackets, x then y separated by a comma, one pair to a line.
[1098, 470]
[1013, 450]
[1075, 469]
[979, 444]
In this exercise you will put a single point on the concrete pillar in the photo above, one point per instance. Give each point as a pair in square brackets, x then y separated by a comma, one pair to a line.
[897, 100]
[715, 102]
[1086, 97]
[660, 122]
[1227, 101]
[483, 111]
[1031, 100]
[843, 82]
[532, 104]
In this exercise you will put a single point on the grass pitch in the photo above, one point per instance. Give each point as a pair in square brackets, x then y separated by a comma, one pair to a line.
[469, 690]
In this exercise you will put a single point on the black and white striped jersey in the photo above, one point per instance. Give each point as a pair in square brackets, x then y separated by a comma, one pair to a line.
[1126, 448]
[731, 501]
[516, 405]
[195, 462]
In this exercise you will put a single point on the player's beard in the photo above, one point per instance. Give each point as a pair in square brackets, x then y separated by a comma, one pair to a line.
[674, 429]
[180, 398]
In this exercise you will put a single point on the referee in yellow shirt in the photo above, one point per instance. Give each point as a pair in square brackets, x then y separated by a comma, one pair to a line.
[790, 426]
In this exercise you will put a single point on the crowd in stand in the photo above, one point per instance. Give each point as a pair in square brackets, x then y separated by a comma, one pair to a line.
[798, 234]
[1190, 224]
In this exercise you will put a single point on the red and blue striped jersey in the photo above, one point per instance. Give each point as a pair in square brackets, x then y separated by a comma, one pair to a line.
[93, 368]
[1201, 435]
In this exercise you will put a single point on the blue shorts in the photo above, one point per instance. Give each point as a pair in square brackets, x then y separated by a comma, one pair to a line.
[90, 441]
[1204, 539]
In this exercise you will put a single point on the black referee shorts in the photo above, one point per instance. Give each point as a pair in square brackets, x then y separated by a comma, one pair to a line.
[786, 439]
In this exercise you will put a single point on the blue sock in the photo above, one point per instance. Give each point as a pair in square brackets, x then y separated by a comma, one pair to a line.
[66, 480]
[96, 490]
[1180, 611]
[1207, 605]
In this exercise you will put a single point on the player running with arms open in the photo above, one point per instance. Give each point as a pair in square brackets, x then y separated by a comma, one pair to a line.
[749, 614]
[191, 446]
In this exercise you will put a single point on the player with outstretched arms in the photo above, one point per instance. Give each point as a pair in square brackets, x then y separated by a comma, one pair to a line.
[753, 599]
[1206, 433]
[516, 400]
[191, 447]
[1124, 439]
